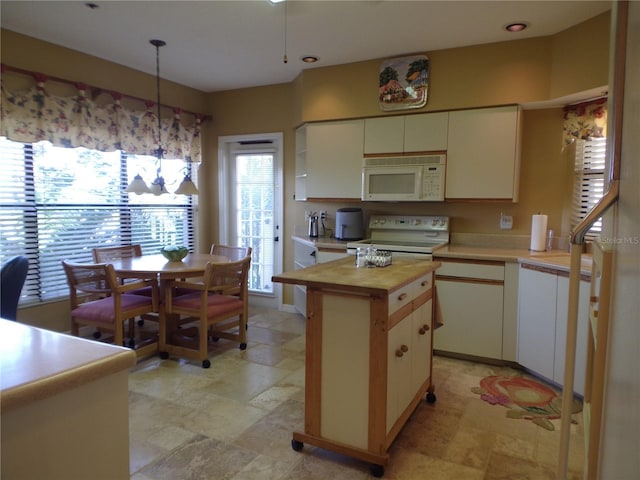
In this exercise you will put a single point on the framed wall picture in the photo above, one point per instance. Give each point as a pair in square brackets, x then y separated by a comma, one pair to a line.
[403, 82]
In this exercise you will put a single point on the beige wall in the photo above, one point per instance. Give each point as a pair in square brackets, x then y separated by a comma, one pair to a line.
[522, 71]
[580, 57]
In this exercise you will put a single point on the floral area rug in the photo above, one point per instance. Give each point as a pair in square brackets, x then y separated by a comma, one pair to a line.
[524, 398]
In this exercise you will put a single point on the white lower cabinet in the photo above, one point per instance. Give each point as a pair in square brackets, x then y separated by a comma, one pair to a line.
[537, 321]
[409, 357]
[470, 296]
[304, 255]
[398, 370]
[542, 324]
[328, 254]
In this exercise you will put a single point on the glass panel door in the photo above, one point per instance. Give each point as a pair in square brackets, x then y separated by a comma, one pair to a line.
[253, 220]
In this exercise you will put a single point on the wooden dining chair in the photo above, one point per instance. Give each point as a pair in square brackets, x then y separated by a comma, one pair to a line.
[98, 299]
[117, 252]
[232, 253]
[218, 306]
[106, 254]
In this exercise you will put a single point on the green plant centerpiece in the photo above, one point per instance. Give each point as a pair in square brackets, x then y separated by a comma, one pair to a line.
[174, 253]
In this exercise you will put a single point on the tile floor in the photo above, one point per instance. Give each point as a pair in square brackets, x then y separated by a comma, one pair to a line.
[234, 421]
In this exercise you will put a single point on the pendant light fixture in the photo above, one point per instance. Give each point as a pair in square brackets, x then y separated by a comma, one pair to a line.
[158, 187]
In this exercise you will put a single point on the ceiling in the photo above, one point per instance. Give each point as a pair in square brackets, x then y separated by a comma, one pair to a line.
[223, 45]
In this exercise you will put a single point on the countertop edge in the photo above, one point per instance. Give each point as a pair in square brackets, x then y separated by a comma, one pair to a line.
[321, 242]
[554, 259]
[24, 394]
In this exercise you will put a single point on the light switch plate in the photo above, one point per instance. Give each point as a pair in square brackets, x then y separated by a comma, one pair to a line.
[506, 222]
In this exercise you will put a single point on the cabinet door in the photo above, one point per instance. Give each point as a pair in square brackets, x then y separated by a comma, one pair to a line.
[421, 331]
[384, 134]
[334, 159]
[304, 256]
[399, 351]
[562, 309]
[426, 132]
[328, 255]
[472, 315]
[483, 154]
[537, 320]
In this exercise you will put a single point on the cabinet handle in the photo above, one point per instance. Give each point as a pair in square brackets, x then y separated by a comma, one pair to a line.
[424, 283]
[401, 351]
[402, 296]
[424, 329]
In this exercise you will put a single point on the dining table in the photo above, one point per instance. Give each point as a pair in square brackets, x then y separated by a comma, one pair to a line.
[166, 272]
[193, 265]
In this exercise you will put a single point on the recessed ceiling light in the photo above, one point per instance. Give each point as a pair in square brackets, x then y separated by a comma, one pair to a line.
[309, 59]
[516, 27]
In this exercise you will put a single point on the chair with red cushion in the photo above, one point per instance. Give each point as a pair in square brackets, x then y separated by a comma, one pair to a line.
[232, 253]
[106, 254]
[98, 299]
[218, 306]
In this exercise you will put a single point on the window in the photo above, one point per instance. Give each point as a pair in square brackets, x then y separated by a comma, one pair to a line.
[58, 203]
[588, 186]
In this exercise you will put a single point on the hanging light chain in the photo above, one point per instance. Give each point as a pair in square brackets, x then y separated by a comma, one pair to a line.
[285, 60]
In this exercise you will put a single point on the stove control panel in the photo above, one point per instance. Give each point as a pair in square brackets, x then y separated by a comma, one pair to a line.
[399, 222]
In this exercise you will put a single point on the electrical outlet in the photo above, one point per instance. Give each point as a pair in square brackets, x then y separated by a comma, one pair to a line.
[322, 214]
[506, 222]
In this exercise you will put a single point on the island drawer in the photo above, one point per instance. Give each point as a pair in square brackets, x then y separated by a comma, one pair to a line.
[409, 292]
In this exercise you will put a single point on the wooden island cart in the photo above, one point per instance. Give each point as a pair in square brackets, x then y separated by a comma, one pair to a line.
[369, 348]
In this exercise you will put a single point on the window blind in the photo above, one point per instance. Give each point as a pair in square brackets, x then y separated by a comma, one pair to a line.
[589, 182]
[59, 203]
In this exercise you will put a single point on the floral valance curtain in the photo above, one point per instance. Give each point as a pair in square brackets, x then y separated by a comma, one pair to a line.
[78, 121]
[585, 121]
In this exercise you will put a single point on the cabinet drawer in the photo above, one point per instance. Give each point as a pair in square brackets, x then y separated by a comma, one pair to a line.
[409, 292]
[487, 271]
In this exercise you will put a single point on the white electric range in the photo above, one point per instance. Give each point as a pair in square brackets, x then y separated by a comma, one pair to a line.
[404, 235]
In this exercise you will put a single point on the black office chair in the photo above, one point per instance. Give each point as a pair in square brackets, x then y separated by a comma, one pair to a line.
[12, 278]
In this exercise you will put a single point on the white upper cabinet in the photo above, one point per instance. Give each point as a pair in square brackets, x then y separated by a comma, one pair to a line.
[426, 132]
[384, 134]
[333, 159]
[483, 154]
[406, 133]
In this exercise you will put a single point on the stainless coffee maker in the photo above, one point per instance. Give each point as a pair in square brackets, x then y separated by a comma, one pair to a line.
[313, 225]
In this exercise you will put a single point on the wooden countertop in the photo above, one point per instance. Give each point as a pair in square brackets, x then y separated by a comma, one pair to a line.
[37, 363]
[343, 274]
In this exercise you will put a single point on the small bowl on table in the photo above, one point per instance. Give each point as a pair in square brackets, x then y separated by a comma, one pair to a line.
[174, 254]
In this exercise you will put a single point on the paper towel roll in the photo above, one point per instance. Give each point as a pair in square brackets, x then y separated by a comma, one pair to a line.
[538, 233]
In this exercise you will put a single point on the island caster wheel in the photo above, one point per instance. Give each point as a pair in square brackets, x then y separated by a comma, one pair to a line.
[97, 334]
[243, 346]
[141, 322]
[431, 397]
[132, 343]
[206, 363]
[296, 445]
[164, 355]
[377, 470]
[215, 339]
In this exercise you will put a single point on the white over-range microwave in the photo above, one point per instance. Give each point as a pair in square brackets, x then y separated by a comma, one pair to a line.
[418, 178]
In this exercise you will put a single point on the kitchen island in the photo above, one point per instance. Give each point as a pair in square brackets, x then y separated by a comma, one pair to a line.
[368, 353]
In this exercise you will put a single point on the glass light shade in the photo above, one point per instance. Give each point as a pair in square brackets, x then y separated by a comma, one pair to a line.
[138, 186]
[187, 187]
[157, 187]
